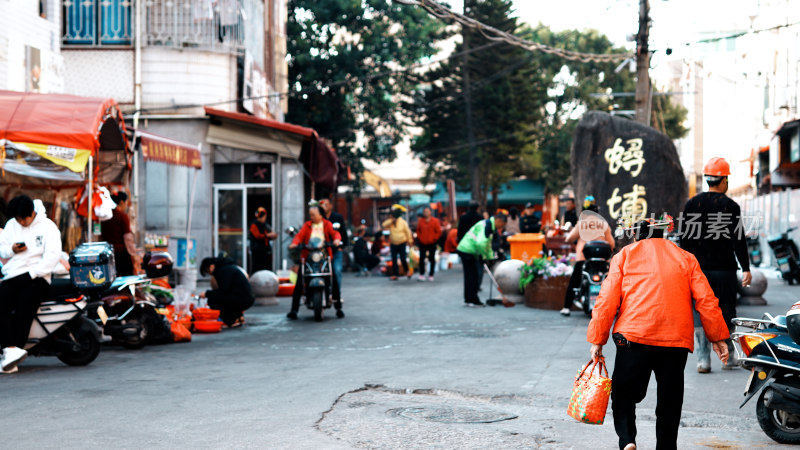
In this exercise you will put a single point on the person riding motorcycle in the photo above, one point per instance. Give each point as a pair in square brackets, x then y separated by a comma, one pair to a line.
[591, 226]
[316, 227]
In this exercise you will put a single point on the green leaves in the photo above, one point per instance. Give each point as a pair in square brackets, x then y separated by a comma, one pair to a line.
[356, 45]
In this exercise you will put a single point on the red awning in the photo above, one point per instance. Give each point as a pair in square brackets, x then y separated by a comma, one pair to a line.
[319, 160]
[274, 124]
[161, 149]
[59, 120]
[48, 138]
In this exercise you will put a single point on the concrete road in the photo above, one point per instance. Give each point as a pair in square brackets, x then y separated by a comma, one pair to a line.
[409, 367]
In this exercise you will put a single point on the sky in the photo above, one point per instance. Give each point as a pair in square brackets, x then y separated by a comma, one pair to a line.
[674, 23]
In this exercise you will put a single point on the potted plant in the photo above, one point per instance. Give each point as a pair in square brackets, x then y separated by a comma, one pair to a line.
[544, 281]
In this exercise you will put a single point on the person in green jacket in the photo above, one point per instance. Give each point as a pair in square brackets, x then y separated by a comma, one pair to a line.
[477, 243]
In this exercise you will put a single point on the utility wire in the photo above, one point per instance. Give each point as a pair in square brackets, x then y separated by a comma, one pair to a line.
[318, 88]
[493, 34]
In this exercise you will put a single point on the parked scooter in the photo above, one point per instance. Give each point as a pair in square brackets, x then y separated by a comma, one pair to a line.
[754, 249]
[786, 256]
[62, 329]
[317, 276]
[595, 270]
[766, 348]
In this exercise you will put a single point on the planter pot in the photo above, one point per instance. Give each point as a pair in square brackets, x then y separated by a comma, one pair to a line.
[546, 293]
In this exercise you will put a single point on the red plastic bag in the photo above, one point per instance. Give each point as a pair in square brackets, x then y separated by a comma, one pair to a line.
[180, 333]
[590, 394]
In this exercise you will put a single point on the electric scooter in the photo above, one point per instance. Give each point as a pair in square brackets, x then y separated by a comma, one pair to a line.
[786, 256]
[595, 270]
[765, 347]
[317, 276]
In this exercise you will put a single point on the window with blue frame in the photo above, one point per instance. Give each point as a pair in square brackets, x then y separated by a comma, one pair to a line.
[97, 22]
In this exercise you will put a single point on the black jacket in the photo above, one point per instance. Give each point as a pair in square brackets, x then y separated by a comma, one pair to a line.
[337, 218]
[231, 282]
[529, 224]
[713, 230]
[466, 222]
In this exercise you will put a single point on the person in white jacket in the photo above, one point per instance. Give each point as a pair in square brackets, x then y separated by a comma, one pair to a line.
[33, 244]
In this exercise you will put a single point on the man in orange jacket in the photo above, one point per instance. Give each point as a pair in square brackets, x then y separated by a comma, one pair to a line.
[649, 292]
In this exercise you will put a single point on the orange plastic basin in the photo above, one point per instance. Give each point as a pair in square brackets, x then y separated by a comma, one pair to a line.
[285, 290]
[207, 326]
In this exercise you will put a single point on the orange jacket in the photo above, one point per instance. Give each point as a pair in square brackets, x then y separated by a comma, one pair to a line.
[428, 230]
[651, 283]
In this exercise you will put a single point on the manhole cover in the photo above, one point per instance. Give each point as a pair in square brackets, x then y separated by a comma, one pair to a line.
[451, 415]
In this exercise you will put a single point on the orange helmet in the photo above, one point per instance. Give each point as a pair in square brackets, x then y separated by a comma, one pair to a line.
[717, 167]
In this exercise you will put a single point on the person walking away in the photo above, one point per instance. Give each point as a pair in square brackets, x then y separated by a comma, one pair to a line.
[365, 260]
[32, 244]
[315, 227]
[713, 231]
[233, 294]
[117, 232]
[260, 247]
[512, 226]
[429, 230]
[591, 226]
[477, 243]
[647, 296]
[529, 222]
[399, 237]
[571, 214]
[337, 260]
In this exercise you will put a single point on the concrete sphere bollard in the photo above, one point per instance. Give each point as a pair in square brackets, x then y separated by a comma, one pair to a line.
[753, 294]
[265, 286]
[507, 274]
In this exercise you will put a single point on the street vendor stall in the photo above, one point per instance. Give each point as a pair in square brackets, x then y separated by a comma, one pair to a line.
[54, 145]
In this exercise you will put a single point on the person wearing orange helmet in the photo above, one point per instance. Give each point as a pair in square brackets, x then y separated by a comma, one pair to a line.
[712, 230]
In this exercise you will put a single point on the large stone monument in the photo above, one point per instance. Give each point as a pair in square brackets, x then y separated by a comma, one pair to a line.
[630, 169]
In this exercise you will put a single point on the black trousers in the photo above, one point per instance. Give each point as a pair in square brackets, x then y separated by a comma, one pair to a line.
[471, 277]
[123, 262]
[262, 260]
[231, 307]
[632, 368]
[19, 299]
[723, 283]
[574, 282]
[427, 252]
[398, 251]
[299, 289]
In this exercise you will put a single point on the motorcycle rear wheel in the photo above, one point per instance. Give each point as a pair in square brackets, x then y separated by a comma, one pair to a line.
[781, 426]
[140, 340]
[89, 348]
[317, 303]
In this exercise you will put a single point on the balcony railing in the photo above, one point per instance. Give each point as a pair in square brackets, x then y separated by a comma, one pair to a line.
[216, 25]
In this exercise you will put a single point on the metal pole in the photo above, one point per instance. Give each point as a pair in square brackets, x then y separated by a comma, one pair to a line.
[191, 208]
[643, 64]
[90, 194]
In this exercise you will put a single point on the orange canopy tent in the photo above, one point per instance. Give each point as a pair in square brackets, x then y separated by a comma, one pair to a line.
[46, 140]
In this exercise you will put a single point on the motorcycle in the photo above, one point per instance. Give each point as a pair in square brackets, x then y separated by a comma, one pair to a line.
[317, 276]
[595, 270]
[786, 256]
[765, 347]
[62, 329]
[129, 311]
[754, 249]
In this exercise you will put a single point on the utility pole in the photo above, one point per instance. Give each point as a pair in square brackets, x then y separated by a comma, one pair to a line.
[473, 150]
[643, 65]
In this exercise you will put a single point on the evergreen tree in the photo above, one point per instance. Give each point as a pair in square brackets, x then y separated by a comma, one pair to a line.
[344, 57]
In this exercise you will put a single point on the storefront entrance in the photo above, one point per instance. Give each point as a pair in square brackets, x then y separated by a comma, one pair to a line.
[239, 190]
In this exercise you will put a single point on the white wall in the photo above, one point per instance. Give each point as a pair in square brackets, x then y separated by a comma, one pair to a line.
[180, 77]
[21, 27]
[99, 73]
